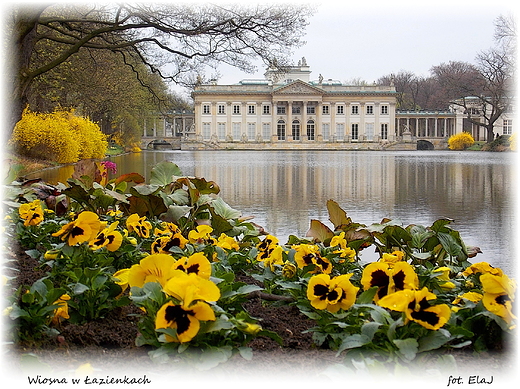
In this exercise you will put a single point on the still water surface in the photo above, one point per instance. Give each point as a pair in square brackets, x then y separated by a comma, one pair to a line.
[284, 190]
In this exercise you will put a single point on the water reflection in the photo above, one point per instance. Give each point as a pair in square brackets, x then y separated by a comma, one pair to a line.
[285, 189]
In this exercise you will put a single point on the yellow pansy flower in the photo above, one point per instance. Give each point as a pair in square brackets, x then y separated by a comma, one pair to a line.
[331, 294]
[415, 304]
[83, 229]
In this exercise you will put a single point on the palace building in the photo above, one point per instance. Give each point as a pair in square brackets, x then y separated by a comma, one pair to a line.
[290, 110]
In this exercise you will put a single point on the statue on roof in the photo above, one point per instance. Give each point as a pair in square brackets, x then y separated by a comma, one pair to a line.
[304, 61]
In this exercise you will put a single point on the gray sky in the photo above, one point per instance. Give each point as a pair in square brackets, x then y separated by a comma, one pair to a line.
[369, 39]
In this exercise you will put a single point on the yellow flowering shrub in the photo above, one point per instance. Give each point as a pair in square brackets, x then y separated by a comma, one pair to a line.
[460, 141]
[60, 136]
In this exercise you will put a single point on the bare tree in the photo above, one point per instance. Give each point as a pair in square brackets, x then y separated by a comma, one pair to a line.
[172, 40]
[484, 91]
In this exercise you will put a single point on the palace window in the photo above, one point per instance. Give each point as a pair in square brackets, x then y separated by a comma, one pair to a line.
[384, 131]
[221, 109]
[280, 130]
[206, 131]
[355, 110]
[236, 109]
[384, 110]
[236, 131]
[266, 109]
[311, 109]
[206, 109]
[507, 127]
[340, 109]
[280, 109]
[310, 130]
[325, 110]
[296, 130]
[370, 109]
[340, 131]
[369, 131]
[251, 109]
[355, 131]
[296, 109]
[266, 131]
[325, 129]
[221, 131]
[251, 131]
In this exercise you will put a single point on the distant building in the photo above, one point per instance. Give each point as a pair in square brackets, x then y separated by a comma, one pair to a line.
[289, 107]
[475, 110]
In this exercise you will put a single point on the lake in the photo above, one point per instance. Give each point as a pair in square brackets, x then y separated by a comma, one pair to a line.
[284, 190]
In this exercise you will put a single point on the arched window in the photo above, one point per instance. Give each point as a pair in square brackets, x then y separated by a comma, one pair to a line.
[280, 130]
[310, 130]
[296, 130]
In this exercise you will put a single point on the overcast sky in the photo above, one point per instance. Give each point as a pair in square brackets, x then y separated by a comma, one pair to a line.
[367, 39]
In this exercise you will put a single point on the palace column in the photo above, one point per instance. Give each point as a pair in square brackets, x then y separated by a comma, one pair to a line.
[229, 121]
[259, 129]
[319, 129]
[332, 129]
[362, 124]
[243, 125]
[377, 126]
[274, 122]
[289, 120]
[304, 124]
[348, 129]
[392, 131]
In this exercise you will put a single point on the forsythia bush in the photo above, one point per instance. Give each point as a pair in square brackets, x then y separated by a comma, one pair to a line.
[460, 141]
[60, 136]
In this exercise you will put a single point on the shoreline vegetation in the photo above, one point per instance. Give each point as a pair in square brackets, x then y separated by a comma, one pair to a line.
[33, 165]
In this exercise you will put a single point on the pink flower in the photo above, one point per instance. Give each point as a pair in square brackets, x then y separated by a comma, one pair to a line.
[110, 166]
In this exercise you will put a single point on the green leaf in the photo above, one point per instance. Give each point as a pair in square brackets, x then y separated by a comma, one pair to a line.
[407, 348]
[79, 288]
[180, 197]
[39, 287]
[175, 212]
[450, 244]
[369, 329]
[440, 225]
[246, 353]
[353, 341]
[212, 357]
[223, 209]
[246, 289]
[99, 281]
[143, 190]
[434, 340]
[367, 296]
[164, 173]
[270, 334]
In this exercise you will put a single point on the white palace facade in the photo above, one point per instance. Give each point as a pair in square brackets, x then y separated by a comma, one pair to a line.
[289, 110]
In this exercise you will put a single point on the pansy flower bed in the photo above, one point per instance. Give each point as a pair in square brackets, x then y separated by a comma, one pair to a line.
[176, 252]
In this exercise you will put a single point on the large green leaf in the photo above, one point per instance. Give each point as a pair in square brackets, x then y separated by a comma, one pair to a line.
[450, 244]
[223, 209]
[164, 173]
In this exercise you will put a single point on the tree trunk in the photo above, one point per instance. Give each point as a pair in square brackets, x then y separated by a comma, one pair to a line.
[22, 42]
[490, 136]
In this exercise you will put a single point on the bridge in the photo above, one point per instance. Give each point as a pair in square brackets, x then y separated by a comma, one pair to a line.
[161, 142]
